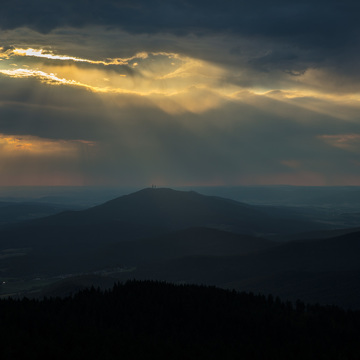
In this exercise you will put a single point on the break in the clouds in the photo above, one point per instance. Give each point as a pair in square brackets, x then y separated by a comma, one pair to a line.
[179, 92]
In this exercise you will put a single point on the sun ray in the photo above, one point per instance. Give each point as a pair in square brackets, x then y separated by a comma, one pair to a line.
[47, 54]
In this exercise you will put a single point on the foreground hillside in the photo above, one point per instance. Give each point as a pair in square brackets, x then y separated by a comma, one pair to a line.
[139, 320]
[325, 271]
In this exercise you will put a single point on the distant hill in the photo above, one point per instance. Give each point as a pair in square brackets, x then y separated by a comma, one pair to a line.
[11, 212]
[174, 210]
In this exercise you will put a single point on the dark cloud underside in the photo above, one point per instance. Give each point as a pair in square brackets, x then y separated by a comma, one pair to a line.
[308, 32]
[330, 20]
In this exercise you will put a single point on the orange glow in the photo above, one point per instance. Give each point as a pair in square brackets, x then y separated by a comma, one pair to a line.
[15, 145]
[43, 179]
[301, 178]
[30, 160]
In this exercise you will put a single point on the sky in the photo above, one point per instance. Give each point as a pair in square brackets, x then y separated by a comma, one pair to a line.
[179, 93]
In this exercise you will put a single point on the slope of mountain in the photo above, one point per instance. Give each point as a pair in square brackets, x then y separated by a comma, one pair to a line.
[189, 242]
[318, 271]
[322, 234]
[64, 258]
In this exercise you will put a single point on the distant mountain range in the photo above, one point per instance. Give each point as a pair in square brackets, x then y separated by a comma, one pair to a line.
[11, 212]
[186, 237]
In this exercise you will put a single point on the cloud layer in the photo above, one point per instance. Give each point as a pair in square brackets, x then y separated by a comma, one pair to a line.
[179, 92]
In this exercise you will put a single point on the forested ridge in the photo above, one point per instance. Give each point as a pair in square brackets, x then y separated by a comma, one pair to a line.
[145, 319]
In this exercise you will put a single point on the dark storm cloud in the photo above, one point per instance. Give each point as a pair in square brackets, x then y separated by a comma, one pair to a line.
[307, 22]
[298, 34]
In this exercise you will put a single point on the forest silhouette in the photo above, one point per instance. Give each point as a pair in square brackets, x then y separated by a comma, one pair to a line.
[146, 319]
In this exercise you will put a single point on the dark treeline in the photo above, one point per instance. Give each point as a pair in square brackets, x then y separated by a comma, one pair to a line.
[142, 320]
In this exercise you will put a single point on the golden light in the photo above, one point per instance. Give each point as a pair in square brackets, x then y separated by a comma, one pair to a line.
[32, 160]
[15, 145]
[172, 82]
[50, 78]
